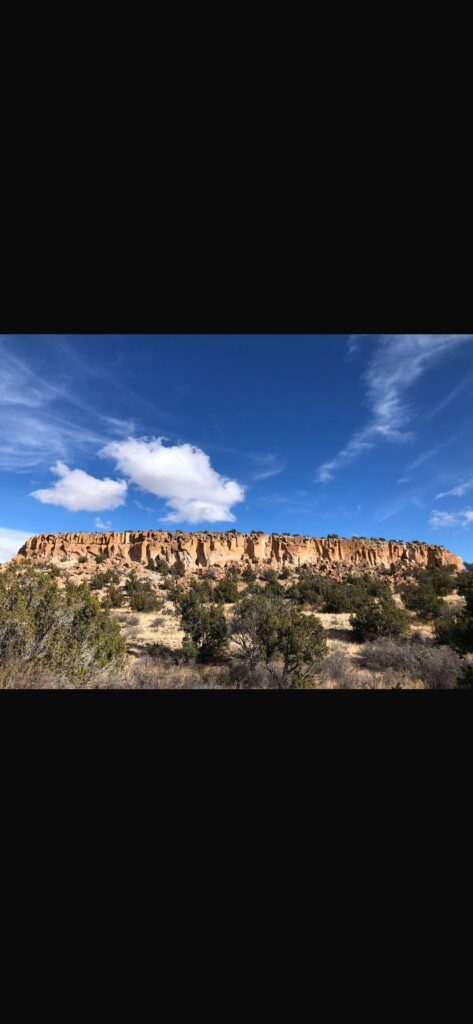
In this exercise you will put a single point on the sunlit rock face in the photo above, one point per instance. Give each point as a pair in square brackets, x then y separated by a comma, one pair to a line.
[220, 550]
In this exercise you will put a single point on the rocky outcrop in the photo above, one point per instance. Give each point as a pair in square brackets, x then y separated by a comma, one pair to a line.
[204, 550]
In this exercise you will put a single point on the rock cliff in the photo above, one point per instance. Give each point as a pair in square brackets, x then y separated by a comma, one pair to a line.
[203, 550]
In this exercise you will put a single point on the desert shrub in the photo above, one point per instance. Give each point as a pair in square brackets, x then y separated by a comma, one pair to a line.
[441, 668]
[309, 590]
[341, 598]
[82, 560]
[455, 629]
[274, 590]
[391, 679]
[289, 644]
[240, 675]
[441, 579]
[205, 628]
[338, 669]
[178, 569]
[373, 586]
[101, 558]
[54, 570]
[466, 679]
[465, 589]
[158, 674]
[65, 631]
[438, 667]
[379, 655]
[203, 590]
[151, 564]
[377, 618]
[248, 576]
[101, 579]
[421, 599]
[232, 573]
[114, 598]
[226, 591]
[132, 620]
[285, 573]
[254, 588]
[161, 566]
[269, 576]
[143, 601]
[141, 594]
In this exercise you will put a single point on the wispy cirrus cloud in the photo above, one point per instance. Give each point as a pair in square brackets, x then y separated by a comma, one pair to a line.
[270, 466]
[398, 361]
[353, 344]
[458, 491]
[454, 393]
[20, 386]
[425, 457]
[40, 421]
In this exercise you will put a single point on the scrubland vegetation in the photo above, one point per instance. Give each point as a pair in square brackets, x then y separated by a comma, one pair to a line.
[291, 629]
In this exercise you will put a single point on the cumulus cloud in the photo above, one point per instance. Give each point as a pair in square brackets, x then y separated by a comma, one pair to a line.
[79, 492]
[180, 474]
[439, 519]
[10, 542]
[397, 363]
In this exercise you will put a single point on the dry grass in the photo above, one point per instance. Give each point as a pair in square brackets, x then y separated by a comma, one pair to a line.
[154, 660]
[146, 630]
[344, 667]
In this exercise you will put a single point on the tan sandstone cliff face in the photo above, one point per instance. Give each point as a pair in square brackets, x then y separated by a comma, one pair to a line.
[204, 550]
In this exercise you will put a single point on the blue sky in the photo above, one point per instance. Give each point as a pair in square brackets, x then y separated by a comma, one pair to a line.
[349, 434]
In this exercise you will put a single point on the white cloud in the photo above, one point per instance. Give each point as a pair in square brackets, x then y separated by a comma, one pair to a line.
[20, 386]
[271, 466]
[424, 457]
[439, 519]
[79, 492]
[353, 344]
[100, 525]
[10, 542]
[181, 474]
[398, 362]
[118, 426]
[450, 397]
[267, 473]
[457, 492]
[40, 421]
